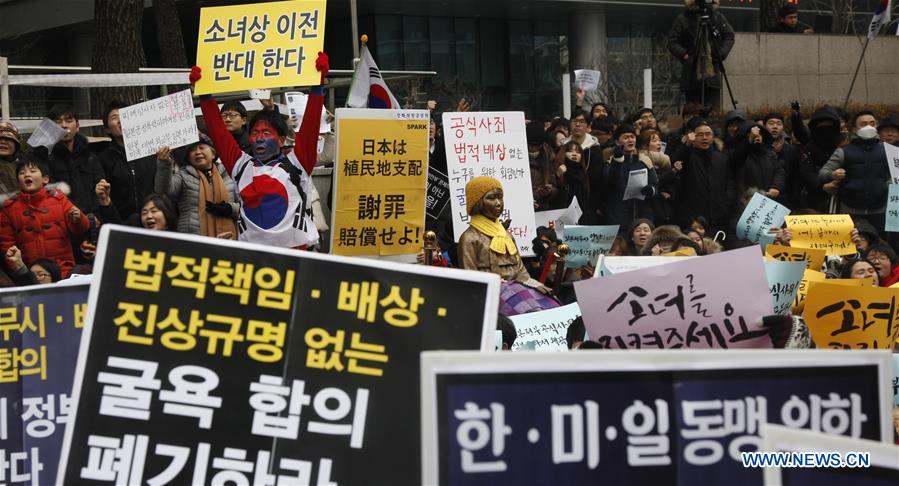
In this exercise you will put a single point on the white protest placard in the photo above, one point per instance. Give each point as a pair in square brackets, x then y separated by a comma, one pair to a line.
[557, 219]
[46, 134]
[612, 265]
[545, 329]
[491, 144]
[164, 122]
[636, 181]
[587, 79]
[892, 161]
[260, 94]
[296, 107]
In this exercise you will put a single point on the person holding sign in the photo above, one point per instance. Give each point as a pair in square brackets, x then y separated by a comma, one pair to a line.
[486, 246]
[202, 190]
[274, 188]
[624, 163]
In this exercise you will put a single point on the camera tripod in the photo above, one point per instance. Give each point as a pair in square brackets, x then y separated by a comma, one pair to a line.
[706, 34]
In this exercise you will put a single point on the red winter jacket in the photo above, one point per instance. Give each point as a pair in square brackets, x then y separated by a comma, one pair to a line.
[39, 225]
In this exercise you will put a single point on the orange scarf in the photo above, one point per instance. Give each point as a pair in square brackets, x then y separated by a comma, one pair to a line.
[210, 224]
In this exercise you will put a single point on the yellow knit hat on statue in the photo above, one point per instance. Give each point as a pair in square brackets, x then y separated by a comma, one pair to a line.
[477, 188]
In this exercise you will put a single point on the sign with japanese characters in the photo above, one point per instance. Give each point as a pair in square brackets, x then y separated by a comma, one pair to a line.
[205, 362]
[828, 232]
[491, 144]
[849, 317]
[380, 182]
[814, 259]
[164, 122]
[40, 329]
[546, 330]
[760, 215]
[261, 45]
[694, 303]
[810, 458]
[653, 417]
[587, 243]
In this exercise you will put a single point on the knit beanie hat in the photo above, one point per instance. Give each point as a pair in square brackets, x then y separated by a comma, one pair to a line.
[10, 131]
[477, 188]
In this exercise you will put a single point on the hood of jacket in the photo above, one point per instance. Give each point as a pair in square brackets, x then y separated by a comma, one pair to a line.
[692, 5]
[743, 133]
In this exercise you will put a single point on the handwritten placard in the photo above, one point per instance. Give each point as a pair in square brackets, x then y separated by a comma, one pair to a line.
[587, 243]
[844, 317]
[587, 79]
[814, 259]
[783, 282]
[828, 232]
[892, 153]
[545, 329]
[164, 122]
[694, 303]
[760, 215]
[808, 277]
[892, 216]
[491, 144]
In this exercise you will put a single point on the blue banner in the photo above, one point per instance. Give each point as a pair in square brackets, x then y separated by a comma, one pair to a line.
[659, 425]
[40, 331]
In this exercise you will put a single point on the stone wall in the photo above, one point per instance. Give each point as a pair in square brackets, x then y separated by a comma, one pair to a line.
[772, 69]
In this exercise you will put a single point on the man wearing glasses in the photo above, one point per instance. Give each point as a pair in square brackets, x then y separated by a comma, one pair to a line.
[580, 131]
[235, 117]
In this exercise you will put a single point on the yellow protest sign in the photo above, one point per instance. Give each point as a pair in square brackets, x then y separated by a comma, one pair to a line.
[261, 45]
[807, 278]
[845, 317]
[814, 259]
[828, 232]
[380, 182]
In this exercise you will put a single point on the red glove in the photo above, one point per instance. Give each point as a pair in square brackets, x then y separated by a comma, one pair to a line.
[321, 65]
[195, 75]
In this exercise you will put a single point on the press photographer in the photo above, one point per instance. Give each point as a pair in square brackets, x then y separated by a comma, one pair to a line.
[701, 38]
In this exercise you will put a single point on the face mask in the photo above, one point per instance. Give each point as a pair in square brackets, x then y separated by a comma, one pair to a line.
[866, 132]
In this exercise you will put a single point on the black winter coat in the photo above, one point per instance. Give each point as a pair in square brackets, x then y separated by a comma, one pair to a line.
[618, 211]
[705, 188]
[756, 165]
[130, 181]
[682, 40]
[80, 169]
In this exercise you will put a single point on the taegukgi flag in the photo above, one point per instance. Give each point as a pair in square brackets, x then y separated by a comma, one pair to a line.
[369, 89]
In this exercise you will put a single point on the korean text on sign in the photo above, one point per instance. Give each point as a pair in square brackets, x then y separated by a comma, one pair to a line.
[262, 45]
[491, 144]
[164, 122]
[828, 232]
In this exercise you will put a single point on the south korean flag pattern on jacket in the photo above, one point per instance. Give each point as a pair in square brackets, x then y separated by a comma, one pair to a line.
[270, 203]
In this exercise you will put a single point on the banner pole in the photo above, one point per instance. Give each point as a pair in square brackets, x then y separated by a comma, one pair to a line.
[4, 87]
[854, 76]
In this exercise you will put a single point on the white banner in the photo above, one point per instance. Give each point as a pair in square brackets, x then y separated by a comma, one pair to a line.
[164, 122]
[491, 144]
[892, 161]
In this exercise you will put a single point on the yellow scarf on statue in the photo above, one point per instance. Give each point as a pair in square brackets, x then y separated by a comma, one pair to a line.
[501, 241]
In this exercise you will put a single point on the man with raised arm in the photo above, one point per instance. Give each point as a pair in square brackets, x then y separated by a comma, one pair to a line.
[274, 188]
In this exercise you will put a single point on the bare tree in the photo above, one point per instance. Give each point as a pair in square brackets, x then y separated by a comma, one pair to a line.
[168, 34]
[118, 48]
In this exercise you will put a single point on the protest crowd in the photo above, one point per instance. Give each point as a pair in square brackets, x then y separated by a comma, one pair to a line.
[807, 186]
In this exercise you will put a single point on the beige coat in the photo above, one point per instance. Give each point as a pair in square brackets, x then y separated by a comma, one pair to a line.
[475, 254]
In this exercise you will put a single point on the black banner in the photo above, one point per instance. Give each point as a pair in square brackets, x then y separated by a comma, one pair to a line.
[438, 193]
[211, 362]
